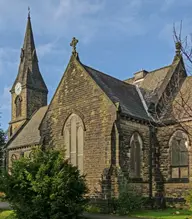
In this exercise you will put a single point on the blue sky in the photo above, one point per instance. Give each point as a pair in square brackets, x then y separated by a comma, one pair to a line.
[118, 37]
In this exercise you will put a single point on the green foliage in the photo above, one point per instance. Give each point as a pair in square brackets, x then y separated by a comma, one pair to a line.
[129, 198]
[44, 187]
[2, 196]
[2, 144]
[92, 209]
[189, 197]
[7, 214]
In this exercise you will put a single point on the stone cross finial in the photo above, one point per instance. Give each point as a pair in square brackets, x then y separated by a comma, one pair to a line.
[73, 44]
[178, 48]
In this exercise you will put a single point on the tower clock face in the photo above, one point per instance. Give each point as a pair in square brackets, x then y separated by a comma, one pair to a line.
[18, 88]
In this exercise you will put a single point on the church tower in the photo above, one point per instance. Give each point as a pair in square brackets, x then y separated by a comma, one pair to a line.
[29, 91]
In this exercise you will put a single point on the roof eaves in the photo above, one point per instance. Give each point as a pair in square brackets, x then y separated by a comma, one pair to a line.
[16, 133]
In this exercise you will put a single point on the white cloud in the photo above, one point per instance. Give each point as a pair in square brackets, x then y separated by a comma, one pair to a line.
[56, 18]
[84, 19]
[5, 99]
[8, 59]
[71, 9]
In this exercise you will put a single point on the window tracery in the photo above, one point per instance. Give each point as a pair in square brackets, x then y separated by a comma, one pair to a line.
[74, 140]
[179, 144]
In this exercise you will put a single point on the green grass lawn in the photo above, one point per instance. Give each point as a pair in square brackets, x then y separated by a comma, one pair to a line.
[6, 214]
[165, 214]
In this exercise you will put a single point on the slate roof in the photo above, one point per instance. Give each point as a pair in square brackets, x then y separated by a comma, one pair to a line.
[181, 107]
[30, 134]
[151, 83]
[119, 91]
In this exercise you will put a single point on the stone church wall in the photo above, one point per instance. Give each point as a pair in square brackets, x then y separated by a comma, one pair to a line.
[36, 100]
[17, 153]
[126, 129]
[78, 93]
[31, 100]
[173, 188]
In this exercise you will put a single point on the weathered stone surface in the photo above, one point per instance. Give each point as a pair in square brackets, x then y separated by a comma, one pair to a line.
[110, 111]
[79, 94]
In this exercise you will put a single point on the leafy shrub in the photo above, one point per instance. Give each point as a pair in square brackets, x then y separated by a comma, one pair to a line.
[44, 187]
[7, 214]
[92, 209]
[2, 145]
[129, 198]
[188, 197]
[2, 196]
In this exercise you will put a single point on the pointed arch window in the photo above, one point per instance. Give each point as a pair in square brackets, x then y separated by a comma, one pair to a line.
[13, 157]
[179, 144]
[18, 101]
[136, 145]
[74, 140]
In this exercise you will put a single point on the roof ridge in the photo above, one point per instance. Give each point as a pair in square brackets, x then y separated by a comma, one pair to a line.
[109, 76]
[159, 68]
[148, 72]
[18, 131]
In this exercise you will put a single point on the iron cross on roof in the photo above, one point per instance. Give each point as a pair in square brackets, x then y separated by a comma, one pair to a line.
[73, 44]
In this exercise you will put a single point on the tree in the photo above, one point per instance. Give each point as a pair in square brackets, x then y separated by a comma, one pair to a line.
[44, 187]
[2, 145]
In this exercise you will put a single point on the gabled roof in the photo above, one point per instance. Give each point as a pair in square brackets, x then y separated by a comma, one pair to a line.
[118, 91]
[30, 134]
[181, 107]
[152, 82]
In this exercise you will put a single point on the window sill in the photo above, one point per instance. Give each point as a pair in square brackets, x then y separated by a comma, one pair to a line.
[178, 180]
[136, 180]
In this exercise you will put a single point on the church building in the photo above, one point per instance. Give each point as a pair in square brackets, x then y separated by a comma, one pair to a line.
[140, 127]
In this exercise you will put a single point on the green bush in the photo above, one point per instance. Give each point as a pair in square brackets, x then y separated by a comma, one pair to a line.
[92, 209]
[188, 198]
[2, 196]
[2, 147]
[44, 187]
[129, 198]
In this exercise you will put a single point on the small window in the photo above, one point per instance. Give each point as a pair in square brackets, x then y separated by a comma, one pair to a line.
[135, 156]
[18, 101]
[179, 155]
[10, 131]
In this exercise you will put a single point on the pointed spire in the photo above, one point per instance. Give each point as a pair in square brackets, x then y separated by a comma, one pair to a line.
[29, 12]
[29, 45]
[29, 73]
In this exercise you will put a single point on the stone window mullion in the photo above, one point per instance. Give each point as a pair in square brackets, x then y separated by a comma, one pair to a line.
[179, 155]
[74, 140]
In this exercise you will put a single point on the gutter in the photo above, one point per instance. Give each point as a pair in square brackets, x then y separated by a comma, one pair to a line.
[151, 146]
[143, 101]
